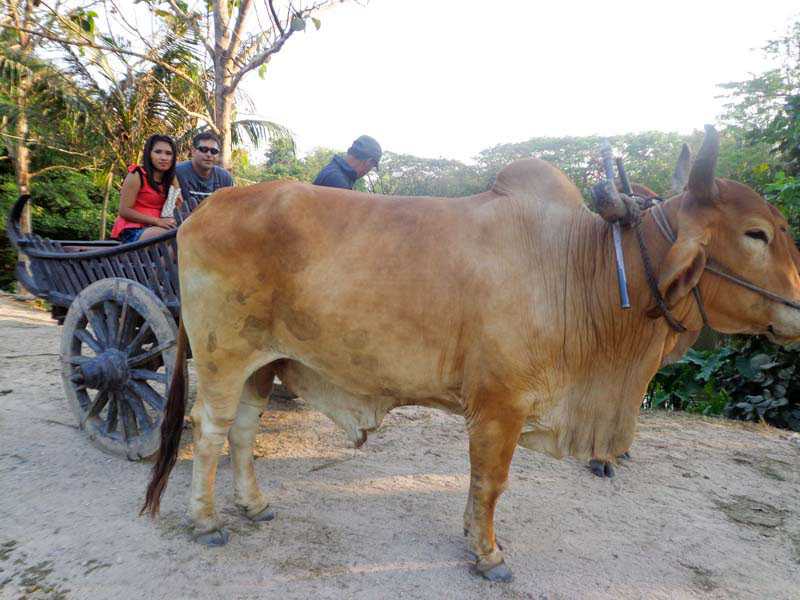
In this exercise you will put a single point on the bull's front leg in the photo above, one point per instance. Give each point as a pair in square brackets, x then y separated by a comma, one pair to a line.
[493, 435]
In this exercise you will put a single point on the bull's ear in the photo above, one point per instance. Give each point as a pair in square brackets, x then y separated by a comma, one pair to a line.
[681, 175]
[681, 270]
[701, 178]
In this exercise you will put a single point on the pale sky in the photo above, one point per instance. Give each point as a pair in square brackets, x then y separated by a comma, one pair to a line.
[448, 78]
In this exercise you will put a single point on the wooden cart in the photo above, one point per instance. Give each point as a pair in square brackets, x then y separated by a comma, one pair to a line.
[119, 305]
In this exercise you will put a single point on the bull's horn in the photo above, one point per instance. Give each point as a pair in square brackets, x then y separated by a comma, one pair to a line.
[701, 177]
[681, 174]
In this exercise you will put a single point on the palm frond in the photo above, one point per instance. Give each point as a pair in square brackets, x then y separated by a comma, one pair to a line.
[258, 132]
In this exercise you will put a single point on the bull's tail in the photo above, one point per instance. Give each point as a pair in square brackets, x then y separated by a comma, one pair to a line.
[171, 428]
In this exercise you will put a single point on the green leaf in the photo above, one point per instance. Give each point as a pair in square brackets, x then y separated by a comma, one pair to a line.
[262, 71]
[744, 367]
[298, 24]
[317, 22]
[759, 361]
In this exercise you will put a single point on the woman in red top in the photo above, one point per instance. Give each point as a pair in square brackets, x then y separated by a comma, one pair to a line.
[144, 192]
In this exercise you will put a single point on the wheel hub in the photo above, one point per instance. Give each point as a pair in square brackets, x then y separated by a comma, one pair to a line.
[107, 370]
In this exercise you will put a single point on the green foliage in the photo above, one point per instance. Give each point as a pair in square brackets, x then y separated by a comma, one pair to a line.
[766, 107]
[692, 383]
[762, 384]
[784, 193]
[649, 157]
[406, 175]
[66, 204]
[748, 379]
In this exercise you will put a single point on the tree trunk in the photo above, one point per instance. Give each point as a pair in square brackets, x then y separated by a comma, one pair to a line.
[223, 92]
[223, 113]
[109, 181]
[20, 155]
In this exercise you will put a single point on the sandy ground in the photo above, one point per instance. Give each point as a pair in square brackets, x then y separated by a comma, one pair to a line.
[706, 508]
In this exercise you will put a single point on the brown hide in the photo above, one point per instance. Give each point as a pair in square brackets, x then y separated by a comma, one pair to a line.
[394, 301]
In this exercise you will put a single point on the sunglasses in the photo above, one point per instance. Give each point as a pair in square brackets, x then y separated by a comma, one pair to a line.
[207, 150]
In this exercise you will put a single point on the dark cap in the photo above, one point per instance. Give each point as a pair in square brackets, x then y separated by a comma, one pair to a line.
[365, 148]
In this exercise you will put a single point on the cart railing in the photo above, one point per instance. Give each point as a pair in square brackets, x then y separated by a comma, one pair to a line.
[57, 272]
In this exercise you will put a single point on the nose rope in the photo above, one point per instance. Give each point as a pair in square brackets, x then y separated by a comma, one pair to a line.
[713, 266]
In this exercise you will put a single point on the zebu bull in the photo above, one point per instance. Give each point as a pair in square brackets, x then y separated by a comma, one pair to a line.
[502, 307]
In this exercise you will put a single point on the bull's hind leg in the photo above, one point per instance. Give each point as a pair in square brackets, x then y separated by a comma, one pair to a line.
[212, 416]
[492, 439]
[255, 395]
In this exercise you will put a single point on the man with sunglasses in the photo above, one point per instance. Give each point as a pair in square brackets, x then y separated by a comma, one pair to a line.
[343, 171]
[201, 177]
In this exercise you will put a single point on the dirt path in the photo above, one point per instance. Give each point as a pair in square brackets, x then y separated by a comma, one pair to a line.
[706, 509]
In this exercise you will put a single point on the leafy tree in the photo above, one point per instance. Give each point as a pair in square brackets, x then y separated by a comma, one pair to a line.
[220, 34]
[27, 87]
[766, 107]
[649, 157]
[406, 175]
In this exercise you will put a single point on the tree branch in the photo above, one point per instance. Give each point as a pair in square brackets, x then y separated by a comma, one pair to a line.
[244, 9]
[274, 14]
[114, 50]
[193, 25]
[33, 142]
[260, 58]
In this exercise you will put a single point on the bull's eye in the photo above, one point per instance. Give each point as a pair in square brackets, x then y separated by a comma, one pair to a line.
[758, 234]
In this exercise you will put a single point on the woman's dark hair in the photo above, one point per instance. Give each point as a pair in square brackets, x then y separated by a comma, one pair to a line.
[147, 162]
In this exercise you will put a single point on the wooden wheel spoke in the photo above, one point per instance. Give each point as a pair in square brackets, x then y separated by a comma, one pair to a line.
[123, 321]
[84, 336]
[142, 418]
[97, 322]
[111, 311]
[97, 406]
[78, 360]
[136, 342]
[129, 428]
[148, 394]
[113, 414]
[135, 361]
[147, 375]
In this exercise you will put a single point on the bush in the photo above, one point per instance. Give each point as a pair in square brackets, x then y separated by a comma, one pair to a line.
[66, 205]
[748, 379]
[691, 384]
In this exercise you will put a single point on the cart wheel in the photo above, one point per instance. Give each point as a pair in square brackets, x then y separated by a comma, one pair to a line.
[117, 356]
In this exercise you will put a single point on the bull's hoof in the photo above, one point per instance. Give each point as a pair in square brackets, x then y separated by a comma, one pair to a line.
[625, 456]
[499, 573]
[601, 468]
[265, 515]
[213, 539]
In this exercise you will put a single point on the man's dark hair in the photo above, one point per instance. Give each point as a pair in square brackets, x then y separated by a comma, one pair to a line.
[206, 135]
[147, 162]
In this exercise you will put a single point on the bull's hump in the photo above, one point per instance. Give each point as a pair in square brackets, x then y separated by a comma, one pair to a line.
[535, 178]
